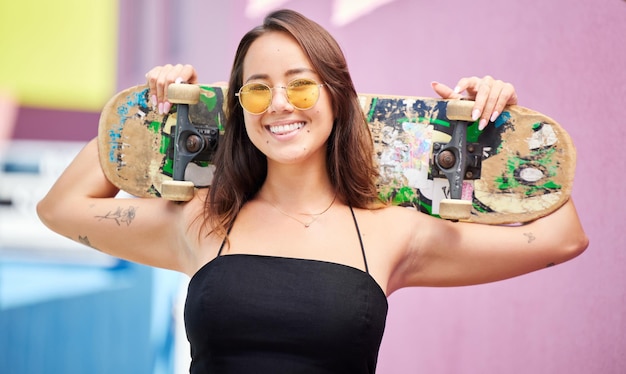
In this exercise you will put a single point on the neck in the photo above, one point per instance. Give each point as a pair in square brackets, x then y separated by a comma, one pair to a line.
[304, 188]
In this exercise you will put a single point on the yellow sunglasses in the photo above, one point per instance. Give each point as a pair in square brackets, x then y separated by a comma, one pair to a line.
[256, 98]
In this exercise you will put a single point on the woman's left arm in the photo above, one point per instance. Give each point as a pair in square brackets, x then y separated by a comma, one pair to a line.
[444, 253]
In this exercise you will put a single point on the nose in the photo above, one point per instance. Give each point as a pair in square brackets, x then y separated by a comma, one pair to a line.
[280, 102]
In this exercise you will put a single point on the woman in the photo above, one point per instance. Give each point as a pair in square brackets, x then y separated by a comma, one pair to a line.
[291, 254]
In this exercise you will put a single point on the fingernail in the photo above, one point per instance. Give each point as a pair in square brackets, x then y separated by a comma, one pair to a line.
[166, 107]
[482, 124]
[433, 84]
[494, 116]
[475, 114]
[153, 100]
[457, 89]
[160, 108]
[178, 80]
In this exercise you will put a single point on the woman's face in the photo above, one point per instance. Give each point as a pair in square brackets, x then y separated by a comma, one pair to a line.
[284, 133]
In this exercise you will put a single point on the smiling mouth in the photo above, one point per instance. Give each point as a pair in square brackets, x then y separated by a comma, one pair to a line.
[285, 129]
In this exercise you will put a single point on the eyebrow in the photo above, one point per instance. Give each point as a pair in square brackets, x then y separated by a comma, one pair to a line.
[288, 73]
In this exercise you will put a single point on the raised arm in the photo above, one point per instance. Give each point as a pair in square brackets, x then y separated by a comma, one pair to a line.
[443, 253]
[82, 207]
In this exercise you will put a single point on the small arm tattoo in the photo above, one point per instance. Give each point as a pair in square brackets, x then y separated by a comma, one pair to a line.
[120, 215]
[530, 236]
[85, 240]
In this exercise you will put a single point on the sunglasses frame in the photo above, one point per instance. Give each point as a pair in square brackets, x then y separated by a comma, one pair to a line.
[286, 88]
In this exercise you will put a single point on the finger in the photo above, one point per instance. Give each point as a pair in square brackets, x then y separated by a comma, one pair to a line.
[161, 83]
[174, 75]
[487, 92]
[151, 78]
[507, 96]
[493, 96]
[444, 91]
[169, 76]
[189, 74]
[508, 92]
[489, 114]
[467, 85]
[181, 73]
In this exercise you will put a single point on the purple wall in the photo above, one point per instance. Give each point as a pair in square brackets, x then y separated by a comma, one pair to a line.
[47, 124]
[567, 59]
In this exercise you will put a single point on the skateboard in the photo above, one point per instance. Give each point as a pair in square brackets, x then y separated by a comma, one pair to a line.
[431, 155]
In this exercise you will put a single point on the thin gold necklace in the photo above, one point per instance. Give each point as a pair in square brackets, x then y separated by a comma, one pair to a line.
[314, 216]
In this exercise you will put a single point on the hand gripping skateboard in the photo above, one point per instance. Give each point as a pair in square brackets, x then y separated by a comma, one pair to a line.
[430, 153]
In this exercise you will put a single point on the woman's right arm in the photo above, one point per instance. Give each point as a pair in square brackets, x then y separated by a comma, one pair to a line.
[82, 206]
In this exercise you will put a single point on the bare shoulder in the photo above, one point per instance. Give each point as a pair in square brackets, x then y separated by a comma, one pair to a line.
[390, 235]
[390, 227]
[392, 220]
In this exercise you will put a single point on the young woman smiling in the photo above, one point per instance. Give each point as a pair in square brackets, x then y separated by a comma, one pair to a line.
[291, 254]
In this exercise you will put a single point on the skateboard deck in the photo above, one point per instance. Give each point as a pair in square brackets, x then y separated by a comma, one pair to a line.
[520, 168]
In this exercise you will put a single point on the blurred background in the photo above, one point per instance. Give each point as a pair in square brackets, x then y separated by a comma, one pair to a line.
[67, 309]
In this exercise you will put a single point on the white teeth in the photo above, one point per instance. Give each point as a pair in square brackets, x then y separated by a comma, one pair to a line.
[283, 129]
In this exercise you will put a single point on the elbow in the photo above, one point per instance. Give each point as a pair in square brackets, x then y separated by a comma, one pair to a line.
[46, 212]
[582, 244]
[43, 212]
[568, 232]
[575, 246]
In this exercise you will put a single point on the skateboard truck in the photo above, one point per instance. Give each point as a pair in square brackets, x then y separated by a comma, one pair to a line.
[457, 160]
[189, 143]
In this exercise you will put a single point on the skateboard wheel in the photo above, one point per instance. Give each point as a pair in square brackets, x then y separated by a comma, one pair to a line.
[178, 93]
[460, 110]
[177, 190]
[455, 210]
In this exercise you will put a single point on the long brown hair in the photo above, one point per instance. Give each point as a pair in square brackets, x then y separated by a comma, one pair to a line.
[241, 168]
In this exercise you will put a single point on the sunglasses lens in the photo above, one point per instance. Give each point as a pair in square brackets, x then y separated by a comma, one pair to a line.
[255, 97]
[303, 93]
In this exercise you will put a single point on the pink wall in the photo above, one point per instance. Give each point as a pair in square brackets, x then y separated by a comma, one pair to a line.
[567, 59]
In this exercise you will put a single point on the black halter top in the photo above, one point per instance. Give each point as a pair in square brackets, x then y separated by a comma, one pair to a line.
[266, 314]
